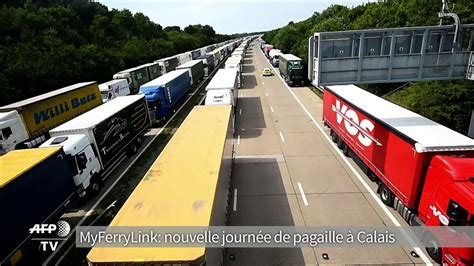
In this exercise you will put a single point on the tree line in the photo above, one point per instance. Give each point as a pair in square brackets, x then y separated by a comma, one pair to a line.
[49, 44]
[447, 102]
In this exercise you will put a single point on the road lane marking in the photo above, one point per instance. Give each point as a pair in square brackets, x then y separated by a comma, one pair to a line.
[359, 177]
[281, 136]
[241, 95]
[240, 111]
[235, 200]
[238, 140]
[266, 94]
[263, 83]
[303, 196]
[271, 108]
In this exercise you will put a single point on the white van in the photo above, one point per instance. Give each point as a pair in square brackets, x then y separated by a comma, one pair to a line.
[114, 88]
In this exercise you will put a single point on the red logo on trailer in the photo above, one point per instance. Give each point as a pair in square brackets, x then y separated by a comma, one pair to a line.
[353, 124]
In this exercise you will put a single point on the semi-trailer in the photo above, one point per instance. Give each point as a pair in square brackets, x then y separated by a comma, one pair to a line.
[136, 76]
[94, 141]
[208, 63]
[291, 69]
[36, 185]
[195, 54]
[153, 69]
[216, 54]
[25, 124]
[167, 65]
[424, 170]
[274, 55]
[196, 71]
[184, 58]
[162, 94]
[223, 88]
[188, 185]
[235, 62]
[266, 49]
[114, 88]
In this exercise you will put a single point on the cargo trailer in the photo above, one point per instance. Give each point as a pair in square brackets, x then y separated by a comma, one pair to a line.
[188, 185]
[226, 80]
[184, 58]
[274, 55]
[235, 62]
[163, 93]
[291, 69]
[266, 49]
[195, 54]
[36, 185]
[217, 57]
[96, 140]
[25, 124]
[424, 170]
[167, 65]
[135, 76]
[114, 88]
[196, 71]
[208, 63]
[153, 69]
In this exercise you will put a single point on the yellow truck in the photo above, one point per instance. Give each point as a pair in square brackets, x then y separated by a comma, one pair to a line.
[25, 124]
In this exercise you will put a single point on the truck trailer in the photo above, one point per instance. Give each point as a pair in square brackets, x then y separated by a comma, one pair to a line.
[196, 71]
[188, 185]
[266, 49]
[224, 87]
[163, 93]
[291, 69]
[167, 65]
[25, 124]
[153, 69]
[235, 62]
[274, 57]
[94, 141]
[114, 88]
[208, 63]
[135, 76]
[35, 187]
[424, 170]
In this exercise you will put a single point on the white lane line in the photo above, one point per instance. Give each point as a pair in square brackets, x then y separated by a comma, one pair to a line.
[263, 83]
[241, 95]
[238, 139]
[281, 136]
[235, 200]
[303, 196]
[392, 218]
[271, 109]
[266, 94]
[240, 111]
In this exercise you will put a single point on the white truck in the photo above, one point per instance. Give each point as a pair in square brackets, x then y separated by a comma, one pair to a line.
[223, 88]
[274, 55]
[94, 141]
[235, 62]
[114, 88]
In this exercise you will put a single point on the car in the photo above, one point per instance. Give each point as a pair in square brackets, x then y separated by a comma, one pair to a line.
[267, 72]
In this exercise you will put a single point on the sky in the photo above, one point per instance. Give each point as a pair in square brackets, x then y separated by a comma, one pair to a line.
[227, 16]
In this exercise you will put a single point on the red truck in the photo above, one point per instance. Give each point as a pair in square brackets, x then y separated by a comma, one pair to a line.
[424, 170]
[266, 49]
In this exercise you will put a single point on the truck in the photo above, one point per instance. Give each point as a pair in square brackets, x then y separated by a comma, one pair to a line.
[196, 71]
[208, 63]
[291, 69]
[36, 186]
[184, 57]
[94, 141]
[136, 76]
[223, 88]
[167, 64]
[195, 54]
[153, 69]
[25, 124]
[114, 88]
[266, 49]
[162, 94]
[235, 62]
[217, 56]
[274, 57]
[424, 170]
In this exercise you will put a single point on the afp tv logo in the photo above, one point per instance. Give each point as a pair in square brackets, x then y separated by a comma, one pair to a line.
[49, 235]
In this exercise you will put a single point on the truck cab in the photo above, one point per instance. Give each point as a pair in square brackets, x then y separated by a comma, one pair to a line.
[447, 200]
[83, 161]
[295, 73]
[12, 131]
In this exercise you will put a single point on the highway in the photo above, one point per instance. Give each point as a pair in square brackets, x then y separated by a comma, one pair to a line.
[289, 173]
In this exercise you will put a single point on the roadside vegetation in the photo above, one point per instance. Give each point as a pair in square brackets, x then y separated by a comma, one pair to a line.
[48, 44]
[447, 102]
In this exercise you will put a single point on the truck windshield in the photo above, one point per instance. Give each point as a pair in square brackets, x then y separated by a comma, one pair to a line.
[72, 164]
[104, 94]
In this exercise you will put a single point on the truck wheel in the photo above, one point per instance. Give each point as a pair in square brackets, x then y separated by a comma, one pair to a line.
[132, 149]
[95, 186]
[139, 141]
[340, 143]
[434, 250]
[345, 150]
[386, 195]
[372, 176]
[333, 136]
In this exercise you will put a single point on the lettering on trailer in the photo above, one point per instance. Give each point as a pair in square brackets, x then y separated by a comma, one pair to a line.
[442, 218]
[353, 124]
[56, 110]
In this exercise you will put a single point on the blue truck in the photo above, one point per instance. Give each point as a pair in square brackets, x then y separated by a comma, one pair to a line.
[36, 185]
[163, 93]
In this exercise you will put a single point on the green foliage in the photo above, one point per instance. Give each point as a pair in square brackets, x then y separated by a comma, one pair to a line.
[449, 103]
[49, 44]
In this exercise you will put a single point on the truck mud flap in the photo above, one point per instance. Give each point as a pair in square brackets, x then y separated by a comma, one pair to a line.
[405, 212]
